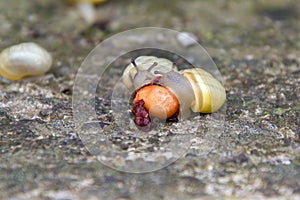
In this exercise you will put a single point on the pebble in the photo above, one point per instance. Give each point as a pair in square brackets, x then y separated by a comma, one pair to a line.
[187, 39]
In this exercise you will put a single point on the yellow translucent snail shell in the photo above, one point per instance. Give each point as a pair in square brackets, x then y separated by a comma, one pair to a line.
[194, 88]
[209, 93]
[24, 60]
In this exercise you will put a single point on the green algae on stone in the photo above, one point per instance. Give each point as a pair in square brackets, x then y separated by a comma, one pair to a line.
[280, 111]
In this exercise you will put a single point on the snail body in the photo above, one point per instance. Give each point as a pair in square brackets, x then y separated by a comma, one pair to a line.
[193, 89]
[23, 60]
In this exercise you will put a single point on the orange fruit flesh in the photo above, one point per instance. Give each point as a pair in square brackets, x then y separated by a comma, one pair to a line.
[159, 101]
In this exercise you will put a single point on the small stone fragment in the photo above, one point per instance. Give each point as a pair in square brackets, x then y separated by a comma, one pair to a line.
[187, 39]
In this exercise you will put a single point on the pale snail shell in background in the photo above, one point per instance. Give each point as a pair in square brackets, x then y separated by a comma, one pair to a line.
[24, 60]
[87, 1]
[195, 89]
[86, 9]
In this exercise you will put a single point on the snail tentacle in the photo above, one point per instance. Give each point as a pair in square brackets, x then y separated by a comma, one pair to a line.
[152, 66]
[142, 76]
[146, 63]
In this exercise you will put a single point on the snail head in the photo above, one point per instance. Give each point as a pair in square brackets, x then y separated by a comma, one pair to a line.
[142, 77]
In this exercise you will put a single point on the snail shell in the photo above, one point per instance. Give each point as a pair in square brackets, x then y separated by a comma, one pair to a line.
[208, 92]
[23, 60]
[143, 72]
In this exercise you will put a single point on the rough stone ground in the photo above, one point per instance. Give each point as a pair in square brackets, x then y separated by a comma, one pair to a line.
[256, 46]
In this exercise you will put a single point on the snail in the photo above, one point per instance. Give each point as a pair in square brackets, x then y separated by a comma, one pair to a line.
[161, 91]
[87, 1]
[23, 60]
[86, 9]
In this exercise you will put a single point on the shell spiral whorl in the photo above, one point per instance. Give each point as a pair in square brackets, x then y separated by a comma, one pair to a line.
[209, 93]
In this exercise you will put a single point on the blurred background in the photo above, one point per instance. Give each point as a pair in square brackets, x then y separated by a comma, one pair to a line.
[256, 46]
